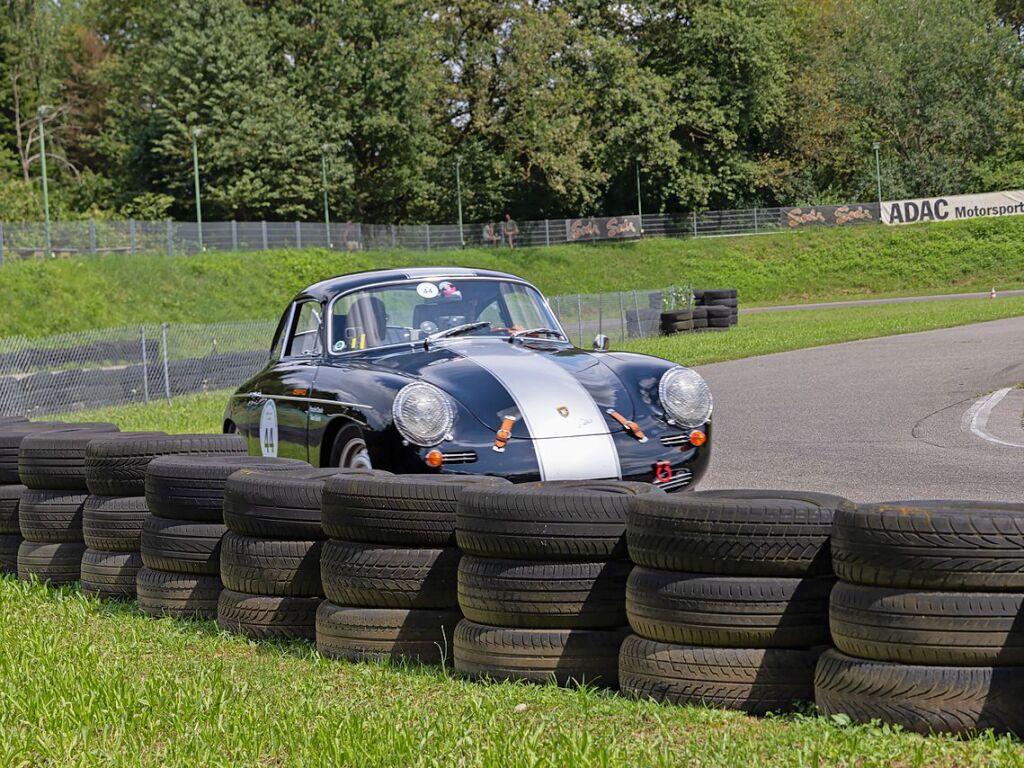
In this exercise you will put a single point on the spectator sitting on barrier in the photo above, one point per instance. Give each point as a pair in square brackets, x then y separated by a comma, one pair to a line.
[490, 236]
[509, 230]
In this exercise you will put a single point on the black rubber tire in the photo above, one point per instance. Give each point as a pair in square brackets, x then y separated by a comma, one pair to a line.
[554, 521]
[193, 487]
[566, 656]
[409, 510]
[10, 498]
[945, 545]
[532, 595]
[381, 576]
[11, 436]
[110, 575]
[728, 611]
[260, 617]
[957, 700]
[957, 629]
[114, 523]
[731, 302]
[700, 312]
[277, 505]
[56, 460]
[178, 595]
[735, 532]
[678, 327]
[9, 545]
[182, 547]
[719, 322]
[753, 680]
[56, 563]
[116, 466]
[51, 516]
[716, 294]
[271, 567]
[700, 323]
[716, 312]
[372, 634]
[676, 316]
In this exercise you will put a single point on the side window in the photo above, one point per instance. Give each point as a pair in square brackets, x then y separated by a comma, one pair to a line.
[278, 344]
[305, 334]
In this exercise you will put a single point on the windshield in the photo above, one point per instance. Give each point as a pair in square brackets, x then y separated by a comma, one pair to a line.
[412, 311]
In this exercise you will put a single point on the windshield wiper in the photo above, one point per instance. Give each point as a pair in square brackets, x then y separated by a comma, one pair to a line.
[454, 331]
[537, 331]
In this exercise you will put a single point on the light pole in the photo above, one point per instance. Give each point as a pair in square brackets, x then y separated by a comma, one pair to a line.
[458, 192]
[323, 176]
[878, 174]
[639, 202]
[196, 133]
[43, 109]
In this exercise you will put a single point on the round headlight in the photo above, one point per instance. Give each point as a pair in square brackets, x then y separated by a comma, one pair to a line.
[685, 396]
[423, 414]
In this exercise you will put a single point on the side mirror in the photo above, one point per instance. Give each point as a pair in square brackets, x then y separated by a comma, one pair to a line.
[600, 343]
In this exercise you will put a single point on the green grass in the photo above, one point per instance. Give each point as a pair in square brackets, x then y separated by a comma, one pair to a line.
[758, 334]
[85, 683]
[42, 298]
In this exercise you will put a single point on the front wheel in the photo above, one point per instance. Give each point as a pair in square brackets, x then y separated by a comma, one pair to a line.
[350, 451]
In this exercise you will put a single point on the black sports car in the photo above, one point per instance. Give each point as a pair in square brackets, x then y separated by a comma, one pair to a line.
[466, 371]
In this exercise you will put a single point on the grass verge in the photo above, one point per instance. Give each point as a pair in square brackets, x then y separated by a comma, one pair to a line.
[43, 298]
[86, 683]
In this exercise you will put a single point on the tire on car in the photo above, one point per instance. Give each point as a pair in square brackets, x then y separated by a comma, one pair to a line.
[752, 680]
[532, 595]
[728, 611]
[554, 521]
[735, 532]
[371, 634]
[407, 510]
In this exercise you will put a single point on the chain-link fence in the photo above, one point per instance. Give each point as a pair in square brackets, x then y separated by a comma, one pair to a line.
[138, 364]
[28, 240]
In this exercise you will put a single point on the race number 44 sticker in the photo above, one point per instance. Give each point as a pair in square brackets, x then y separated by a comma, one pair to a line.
[268, 429]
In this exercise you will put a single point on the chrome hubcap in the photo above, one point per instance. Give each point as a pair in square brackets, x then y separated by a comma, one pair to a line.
[355, 456]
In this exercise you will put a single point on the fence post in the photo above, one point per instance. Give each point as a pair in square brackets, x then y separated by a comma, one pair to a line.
[639, 326]
[1, 243]
[234, 235]
[170, 237]
[298, 234]
[92, 236]
[145, 365]
[394, 236]
[755, 218]
[163, 345]
[622, 317]
[547, 232]
[428, 236]
[263, 230]
[131, 237]
[693, 215]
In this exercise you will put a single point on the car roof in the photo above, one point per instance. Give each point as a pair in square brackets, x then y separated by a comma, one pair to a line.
[331, 287]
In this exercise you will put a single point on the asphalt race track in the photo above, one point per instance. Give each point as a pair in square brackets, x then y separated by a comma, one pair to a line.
[918, 416]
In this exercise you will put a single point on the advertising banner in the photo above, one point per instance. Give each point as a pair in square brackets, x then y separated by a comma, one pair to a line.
[831, 215]
[953, 207]
[614, 228]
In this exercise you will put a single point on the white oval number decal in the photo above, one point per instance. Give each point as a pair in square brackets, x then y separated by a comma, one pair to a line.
[427, 290]
[268, 429]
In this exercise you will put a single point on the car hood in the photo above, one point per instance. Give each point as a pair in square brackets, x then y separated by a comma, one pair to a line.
[550, 390]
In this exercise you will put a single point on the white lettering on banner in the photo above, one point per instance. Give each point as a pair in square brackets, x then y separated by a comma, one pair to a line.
[953, 207]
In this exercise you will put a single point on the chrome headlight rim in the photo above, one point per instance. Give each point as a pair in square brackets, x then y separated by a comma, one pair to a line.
[700, 412]
[423, 438]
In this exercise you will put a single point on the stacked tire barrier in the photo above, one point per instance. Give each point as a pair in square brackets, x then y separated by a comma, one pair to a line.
[117, 516]
[390, 565]
[928, 619]
[51, 465]
[270, 561]
[542, 580]
[712, 309]
[184, 528]
[729, 599]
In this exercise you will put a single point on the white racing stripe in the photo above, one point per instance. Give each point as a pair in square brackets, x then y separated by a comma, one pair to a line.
[574, 447]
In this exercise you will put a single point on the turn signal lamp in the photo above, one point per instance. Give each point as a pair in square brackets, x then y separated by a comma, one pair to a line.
[698, 438]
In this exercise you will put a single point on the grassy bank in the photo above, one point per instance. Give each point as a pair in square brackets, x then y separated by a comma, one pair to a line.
[85, 683]
[41, 298]
[759, 334]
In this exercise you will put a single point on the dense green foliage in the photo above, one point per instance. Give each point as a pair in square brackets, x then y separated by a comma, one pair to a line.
[547, 106]
[42, 298]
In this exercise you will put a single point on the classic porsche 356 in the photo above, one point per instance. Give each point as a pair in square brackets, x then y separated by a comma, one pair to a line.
[466, 371]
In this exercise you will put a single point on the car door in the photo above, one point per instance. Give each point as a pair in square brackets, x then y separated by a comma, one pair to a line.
[280, 399]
